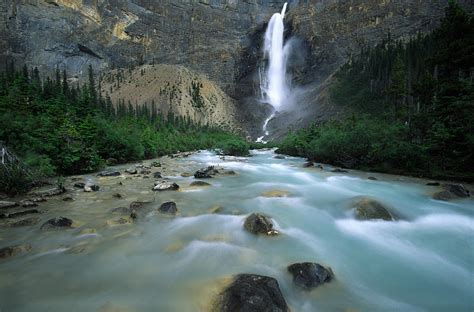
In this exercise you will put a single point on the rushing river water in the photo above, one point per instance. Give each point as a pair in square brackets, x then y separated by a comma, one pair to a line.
[422, 262]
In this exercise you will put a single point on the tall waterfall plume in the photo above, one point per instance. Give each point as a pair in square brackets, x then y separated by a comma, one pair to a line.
[273, 82]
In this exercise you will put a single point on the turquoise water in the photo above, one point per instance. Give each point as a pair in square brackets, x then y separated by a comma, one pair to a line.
[423, 262]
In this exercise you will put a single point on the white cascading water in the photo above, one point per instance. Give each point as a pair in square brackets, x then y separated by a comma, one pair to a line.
[274, 83]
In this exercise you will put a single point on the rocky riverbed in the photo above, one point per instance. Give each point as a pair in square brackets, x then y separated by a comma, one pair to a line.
[201, 232]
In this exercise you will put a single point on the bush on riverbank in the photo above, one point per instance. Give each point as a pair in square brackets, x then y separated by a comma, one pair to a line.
[412, 104]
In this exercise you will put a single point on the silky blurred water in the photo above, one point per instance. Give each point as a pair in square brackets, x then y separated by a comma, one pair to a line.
[422, 262]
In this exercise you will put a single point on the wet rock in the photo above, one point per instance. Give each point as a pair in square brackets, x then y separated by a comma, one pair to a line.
[121, 210]
[215, 209]
[319, 167]
[22, 213]
[168, 208]
[372, 178]
[7, 204]
[91, 188]
[68, 199]
[186, 174]
[157, 175]
[165, 186]
[308, 164]
[15, 250]
[156, 164]
[79, 185]
[145, 171]
[451, 191]
[120, 221]
[25, 203]
[206, 173]
[58, 222]
[131, 170]
[258, 223]
[25, 222]
[52, 192]
[370, 209]
[279, 157]
[251, 293]
[37, 199]
[136, 205]
[276, 193]
[228, 172]
[309, 275]
[109, 174]
[338, 170]
[433, 184]
[199, 184]
[117, 195]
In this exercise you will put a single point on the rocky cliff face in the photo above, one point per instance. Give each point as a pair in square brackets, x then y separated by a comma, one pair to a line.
[218, 38]
[173, 89]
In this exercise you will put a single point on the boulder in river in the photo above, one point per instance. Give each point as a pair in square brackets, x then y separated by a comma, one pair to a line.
[258, 223]
[372, 178]
[156, 164]
[338, 170]
[11, 251]
[157, 175]
[433, 184]
[91, 188]
[369, 209]
[52, 192]
[56, 223]
[308, 164]
[451, 191]
[276, 193]
[165, 186]
[279, 157]
[26, 203]
[168, 208]
[199, 184]
[132, 170]
[7, 204]
[251, 293]
[79, 185]
[206, 173]
[308, 275]
[111, 173]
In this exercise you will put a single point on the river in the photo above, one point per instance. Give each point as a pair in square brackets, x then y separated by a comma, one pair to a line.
[424, 261]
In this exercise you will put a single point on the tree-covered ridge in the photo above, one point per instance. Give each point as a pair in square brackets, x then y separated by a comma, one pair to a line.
[412, 104]
[64, 129]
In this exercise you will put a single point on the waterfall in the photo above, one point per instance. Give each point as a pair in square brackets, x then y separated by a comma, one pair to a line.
[274, 83]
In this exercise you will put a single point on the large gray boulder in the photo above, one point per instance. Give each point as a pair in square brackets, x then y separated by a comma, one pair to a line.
[165, 186]
[258, 223]
[308, 275]
[451, 191]
[7, 204]
[57, 223]
[11, 251]
[251, 293]
[370, 209]
[168, 208]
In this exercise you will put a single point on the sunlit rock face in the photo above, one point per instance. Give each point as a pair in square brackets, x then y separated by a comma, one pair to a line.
[221, 39]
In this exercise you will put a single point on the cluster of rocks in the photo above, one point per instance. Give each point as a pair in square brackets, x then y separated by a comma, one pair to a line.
[258, 293]
[211, 171]
[450, 191]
